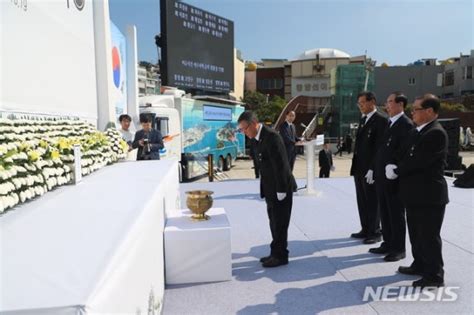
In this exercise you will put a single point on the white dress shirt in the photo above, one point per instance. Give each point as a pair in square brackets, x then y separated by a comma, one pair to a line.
[419, 128]
[259, 127]
[395, 118]
[369, 115]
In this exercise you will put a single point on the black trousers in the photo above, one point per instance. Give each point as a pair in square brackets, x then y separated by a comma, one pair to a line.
[324, 172]
[279, 213]
[392, 215]
[291, 153]
[256, 167]
[424, 227]
[367, 206]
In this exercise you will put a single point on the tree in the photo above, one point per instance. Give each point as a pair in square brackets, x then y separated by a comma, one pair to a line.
[254, 100]
[266, 112]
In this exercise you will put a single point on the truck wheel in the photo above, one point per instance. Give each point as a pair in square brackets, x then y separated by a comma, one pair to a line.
[228, 163]
[221, 164]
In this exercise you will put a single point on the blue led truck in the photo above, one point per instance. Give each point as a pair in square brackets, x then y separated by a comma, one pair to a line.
[195, 127]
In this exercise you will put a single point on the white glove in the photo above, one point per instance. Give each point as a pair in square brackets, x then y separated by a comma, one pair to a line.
[281, 196]
[370, 177]
[389, 171]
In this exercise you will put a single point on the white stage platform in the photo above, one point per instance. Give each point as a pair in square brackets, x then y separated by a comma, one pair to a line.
[93, 248]
[328, 271]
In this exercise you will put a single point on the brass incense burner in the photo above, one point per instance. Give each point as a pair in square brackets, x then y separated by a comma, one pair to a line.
[199, 201]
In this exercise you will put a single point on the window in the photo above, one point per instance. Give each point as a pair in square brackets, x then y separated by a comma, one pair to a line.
[449, 78]
[411, 81]
[162, 125]
[278, 83]
[467, 73]
[270, 84]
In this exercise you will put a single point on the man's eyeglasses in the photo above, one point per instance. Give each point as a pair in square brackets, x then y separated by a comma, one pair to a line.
[413, 110]
[243, 130]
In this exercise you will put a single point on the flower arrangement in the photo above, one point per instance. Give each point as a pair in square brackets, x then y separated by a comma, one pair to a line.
[36, 155]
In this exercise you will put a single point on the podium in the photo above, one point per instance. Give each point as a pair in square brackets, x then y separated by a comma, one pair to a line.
[197, 251]
[309, 155]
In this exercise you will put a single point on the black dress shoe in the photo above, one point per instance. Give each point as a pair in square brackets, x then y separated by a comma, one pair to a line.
[263, 259]
[372, 239]
[394, 256]
[409, 271]
[379, 250]
[274, 262]
[360, 234]
[423, 283]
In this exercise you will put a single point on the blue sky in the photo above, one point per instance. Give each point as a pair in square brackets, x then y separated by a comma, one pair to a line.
[397, 32]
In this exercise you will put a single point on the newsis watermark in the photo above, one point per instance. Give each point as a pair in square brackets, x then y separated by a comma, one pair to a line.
[410, 294]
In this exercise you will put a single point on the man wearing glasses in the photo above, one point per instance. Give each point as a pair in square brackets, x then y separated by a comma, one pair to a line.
[424, 191]
[276, 184]
[369, 138]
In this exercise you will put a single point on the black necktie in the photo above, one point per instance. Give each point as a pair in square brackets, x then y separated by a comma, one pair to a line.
[362, 121]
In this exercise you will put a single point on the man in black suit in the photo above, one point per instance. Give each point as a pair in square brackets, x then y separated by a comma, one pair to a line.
[253, 156]
[392, 211]
[348, 143]
[325, 161]
[276, 184]
[368, 140]
[148, 141]
[288, 133]
[424, 191]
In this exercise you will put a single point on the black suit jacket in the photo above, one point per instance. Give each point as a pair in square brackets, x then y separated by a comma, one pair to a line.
[421, 168]
[325, 159]
[289, 137]
[275, 170]
[391, 147]
[368, 140]
[155, 140]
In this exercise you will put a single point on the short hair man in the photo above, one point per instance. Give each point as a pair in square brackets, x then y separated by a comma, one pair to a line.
[125, 121]
[288, 133]
[148, 141]
[276, 184]
[325, 161]
[368, 140]
[392, 211]
[424, 191]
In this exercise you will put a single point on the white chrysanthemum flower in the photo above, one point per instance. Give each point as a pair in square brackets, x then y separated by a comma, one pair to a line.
[30, 180]
[32, 192]
[23, 196]
[17, 182]
[16, 199]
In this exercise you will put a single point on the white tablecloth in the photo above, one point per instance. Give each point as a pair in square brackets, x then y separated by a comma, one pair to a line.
[92, 248]
[197, 251]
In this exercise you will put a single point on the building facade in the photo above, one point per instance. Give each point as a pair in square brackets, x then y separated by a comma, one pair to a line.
[412, 80]
[458, 76]
[148, 83]
[239, 76]
[450, 79]
[270, 81]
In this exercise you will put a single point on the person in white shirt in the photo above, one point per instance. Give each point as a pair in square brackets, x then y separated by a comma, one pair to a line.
[127, 135]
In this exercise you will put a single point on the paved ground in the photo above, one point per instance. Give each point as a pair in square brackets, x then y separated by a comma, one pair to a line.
[242, 169]
[328, 271]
